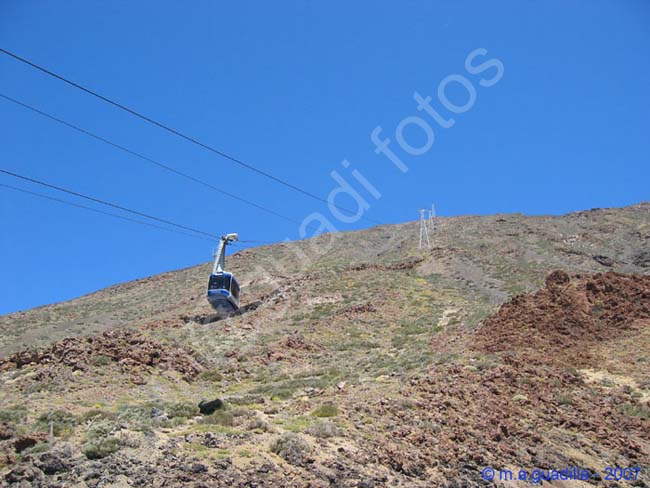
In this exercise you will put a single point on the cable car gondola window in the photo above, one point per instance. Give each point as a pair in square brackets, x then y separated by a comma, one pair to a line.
[227, 280]
[219, 281]
[216, 282]
[234, 289]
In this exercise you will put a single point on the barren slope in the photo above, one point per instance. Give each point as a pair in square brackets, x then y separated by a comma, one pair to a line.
[374, 354]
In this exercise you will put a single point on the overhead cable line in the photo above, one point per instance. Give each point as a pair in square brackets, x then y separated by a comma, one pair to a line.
[121, 217]
[177, 132]
[96, 210]
[109, 204]
[146, 158]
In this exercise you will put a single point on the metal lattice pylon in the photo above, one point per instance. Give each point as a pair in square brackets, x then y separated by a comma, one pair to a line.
[432, 215]
[424, 230]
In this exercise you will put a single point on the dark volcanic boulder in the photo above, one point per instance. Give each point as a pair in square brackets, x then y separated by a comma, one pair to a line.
[208, 408]
[24, 473]
[604, 261]
[6, 431]
[557, 278]
[642, 259]
[52, 463]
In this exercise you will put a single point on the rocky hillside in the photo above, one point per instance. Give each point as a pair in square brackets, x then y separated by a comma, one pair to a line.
[514, 343]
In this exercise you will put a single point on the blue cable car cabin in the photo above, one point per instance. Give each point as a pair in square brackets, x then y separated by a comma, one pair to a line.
[223, 289]
[223, 292]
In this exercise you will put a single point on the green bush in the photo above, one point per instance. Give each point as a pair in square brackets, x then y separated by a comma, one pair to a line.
[323, 429]
[100, 448]
[100, 441]
[640, 410]
[62, 422]
[326, 410]
[292, 448]
[137, 417]
[242, 412]
[97, 414]
[13, 414]
[100, 430]
[179, 409]
[259, 425]
[37, 449]
[220, 417]
[101, 360]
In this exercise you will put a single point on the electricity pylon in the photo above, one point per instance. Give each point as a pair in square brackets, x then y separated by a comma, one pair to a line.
[424, 230]
[432, 215]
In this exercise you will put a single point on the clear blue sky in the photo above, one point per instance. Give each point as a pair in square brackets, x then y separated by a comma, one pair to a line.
[293, 88]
